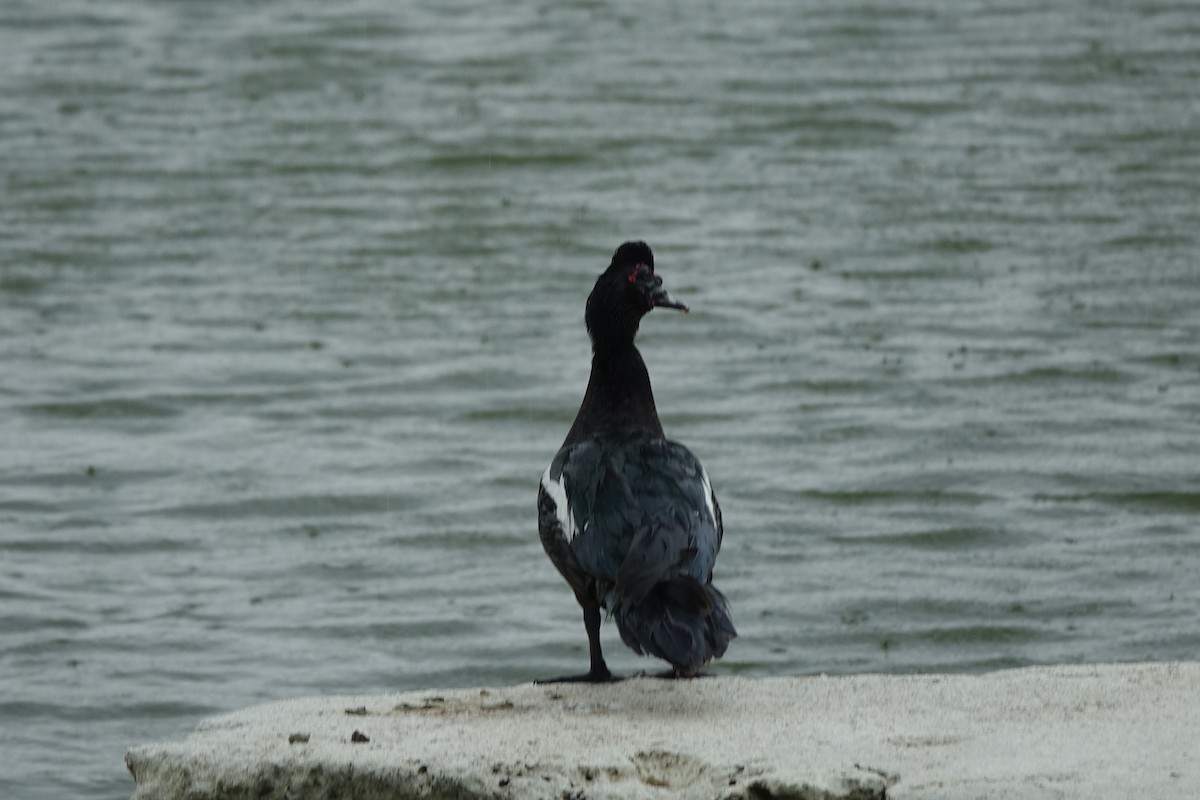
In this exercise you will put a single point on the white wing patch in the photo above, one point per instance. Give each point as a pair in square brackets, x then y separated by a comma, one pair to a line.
[558, 493]
[709, 500]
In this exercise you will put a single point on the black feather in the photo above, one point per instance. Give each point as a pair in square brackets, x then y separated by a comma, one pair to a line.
[626, 515]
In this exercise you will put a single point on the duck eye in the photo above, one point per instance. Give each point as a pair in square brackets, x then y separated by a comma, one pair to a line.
[636, 272]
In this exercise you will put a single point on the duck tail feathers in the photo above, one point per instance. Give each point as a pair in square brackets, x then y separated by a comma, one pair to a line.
[681, 620]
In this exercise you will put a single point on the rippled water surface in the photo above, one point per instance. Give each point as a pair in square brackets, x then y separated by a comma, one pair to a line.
[291, 316]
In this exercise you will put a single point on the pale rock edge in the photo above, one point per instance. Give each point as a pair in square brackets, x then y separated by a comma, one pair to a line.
[1099, 731]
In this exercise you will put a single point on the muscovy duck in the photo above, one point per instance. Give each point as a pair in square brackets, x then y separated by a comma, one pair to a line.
[627, 516]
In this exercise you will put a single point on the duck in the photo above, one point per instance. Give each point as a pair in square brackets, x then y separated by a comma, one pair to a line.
[627, 516]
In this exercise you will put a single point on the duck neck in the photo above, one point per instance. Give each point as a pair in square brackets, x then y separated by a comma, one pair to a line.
[618, 397]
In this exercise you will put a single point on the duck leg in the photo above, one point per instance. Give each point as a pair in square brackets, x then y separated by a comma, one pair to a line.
[599, 670]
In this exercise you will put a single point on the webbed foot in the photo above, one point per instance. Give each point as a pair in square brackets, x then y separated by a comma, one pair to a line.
[595, 676]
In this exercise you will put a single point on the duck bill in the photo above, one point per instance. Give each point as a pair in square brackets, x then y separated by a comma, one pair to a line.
[661, 299]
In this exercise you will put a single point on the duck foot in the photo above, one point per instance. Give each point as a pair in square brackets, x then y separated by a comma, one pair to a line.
[588, 677]
[673, 675]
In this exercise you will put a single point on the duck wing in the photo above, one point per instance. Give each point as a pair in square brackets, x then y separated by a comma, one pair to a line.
[634, 512]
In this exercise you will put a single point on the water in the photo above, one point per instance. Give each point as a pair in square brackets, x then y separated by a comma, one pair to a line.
[290, 310]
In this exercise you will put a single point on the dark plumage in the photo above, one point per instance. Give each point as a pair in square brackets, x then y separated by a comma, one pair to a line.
[627, 516]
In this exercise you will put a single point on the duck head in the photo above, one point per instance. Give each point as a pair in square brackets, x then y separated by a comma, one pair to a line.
[626, 292]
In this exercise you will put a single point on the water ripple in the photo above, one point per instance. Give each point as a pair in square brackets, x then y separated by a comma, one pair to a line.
[291, 310]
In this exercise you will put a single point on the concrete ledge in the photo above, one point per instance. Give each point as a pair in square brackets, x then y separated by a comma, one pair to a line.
[1114, 731]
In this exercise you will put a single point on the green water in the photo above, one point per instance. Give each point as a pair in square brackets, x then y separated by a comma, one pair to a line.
[291, 303]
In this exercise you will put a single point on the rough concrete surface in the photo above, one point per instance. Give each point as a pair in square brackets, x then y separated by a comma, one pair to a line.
[1111, 731]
